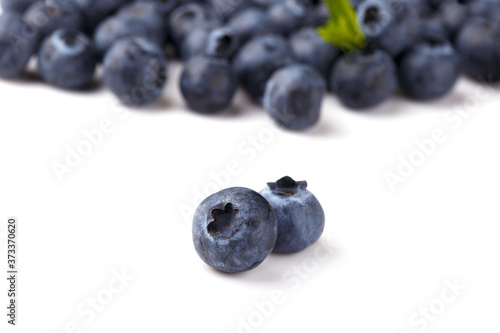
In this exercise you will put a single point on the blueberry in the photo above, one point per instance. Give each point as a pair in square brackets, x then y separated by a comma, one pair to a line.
[293, 96]
[300, 217]
[257, 60]
[234, 230]
[489, 9]
[317, 16]
[95, 11]
[429, 70]
[51, 15]
[17, 6]
[309, 48]
[453, 14]
[140, 19]
[227, 8]
[289, 15]
[478, 43]
[221, 43]
[66, 59]
[208, 84]
[249, 23]
[195, 43]
[390, 25]
[18, 42]
[188, 17]
[135, 70]
[364, 79]
[165, 7]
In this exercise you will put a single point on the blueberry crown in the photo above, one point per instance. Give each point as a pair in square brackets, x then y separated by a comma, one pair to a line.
[287, 185]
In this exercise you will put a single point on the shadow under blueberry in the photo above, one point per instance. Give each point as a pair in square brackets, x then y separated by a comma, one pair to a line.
[276, 267]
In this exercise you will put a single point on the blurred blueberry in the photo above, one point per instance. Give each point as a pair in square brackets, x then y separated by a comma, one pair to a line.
[249, 23]
[221, 43]
[294, 95]
[187, 18]
[95, 11]
[257, 60]
[364, 79]
[390, 25]
[429, 69]
[18, 42]
[289, 15]
[309, 48]
[135, 70]
[135, 20]
[66, 59]
[208, 84]
[478, 43]
[50, 15]
[16, 6]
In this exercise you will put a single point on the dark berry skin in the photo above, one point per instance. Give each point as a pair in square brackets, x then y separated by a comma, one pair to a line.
[293, 97]
[453, 14]
[478, 43]
[194, 43]
[390, 25]
[364, 79]
[221, 43]
[208, 84]
[95, 11]
[225, 9]
[18, 42]
[429, 70]
[234, 230]
[16, 6]
[135, 70]
[310, 49]
[188, 17]
[249, 23]
[289, 15]
[300, 217]
[66, 59]
[165, 7]
[139, 19]
[258, 59]
[50, 15]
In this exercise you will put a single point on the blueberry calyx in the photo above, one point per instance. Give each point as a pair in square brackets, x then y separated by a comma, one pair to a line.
[287, 186]
[221, 221]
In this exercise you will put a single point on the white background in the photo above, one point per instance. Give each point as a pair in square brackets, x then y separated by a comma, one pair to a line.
[126, 206]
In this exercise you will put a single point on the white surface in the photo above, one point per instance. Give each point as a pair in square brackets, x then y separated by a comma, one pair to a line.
[121, 208]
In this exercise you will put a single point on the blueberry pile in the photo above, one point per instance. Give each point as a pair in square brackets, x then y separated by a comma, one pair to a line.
[285, 54]
[235, 229]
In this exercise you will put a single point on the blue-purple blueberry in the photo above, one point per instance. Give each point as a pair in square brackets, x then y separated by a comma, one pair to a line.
[429, 69]
[294, 95]
[135, 70]
[208, 84]
[258, 59]
[18, 42]
[66, 59]
[364, 79]
[234, 230]
[301, 219]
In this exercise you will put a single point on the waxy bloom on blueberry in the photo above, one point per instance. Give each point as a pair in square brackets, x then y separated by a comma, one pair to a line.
[234, 230]
[300, 217]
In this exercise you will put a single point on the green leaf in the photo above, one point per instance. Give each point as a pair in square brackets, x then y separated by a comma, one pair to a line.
[342, 28]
